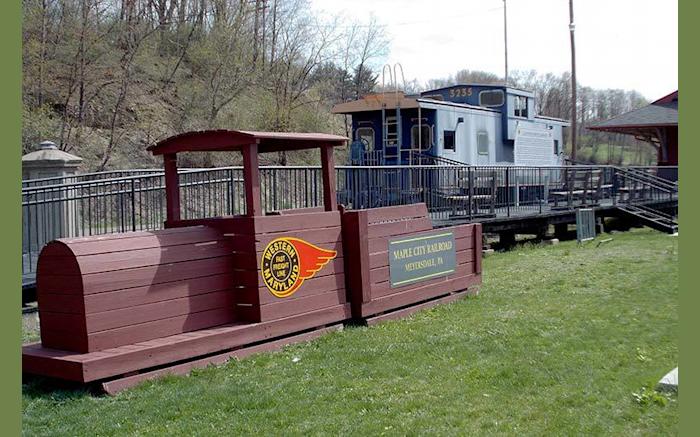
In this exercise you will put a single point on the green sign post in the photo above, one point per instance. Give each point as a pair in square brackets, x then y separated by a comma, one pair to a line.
[421, 258]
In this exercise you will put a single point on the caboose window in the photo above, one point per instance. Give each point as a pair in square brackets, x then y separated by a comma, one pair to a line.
[491, 98]
[482, 143]
[449, 139]
[520, 106]
[426, 140]
[366, 135]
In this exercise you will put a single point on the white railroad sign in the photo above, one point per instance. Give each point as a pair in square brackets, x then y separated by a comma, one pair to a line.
[534, 146]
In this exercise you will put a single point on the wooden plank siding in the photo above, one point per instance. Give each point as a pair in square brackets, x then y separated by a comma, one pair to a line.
[133, 302]
[326, 289]
[249, 236]
[101, 293]
[367, 234]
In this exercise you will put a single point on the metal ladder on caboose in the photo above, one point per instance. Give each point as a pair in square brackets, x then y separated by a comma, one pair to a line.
[392, 141]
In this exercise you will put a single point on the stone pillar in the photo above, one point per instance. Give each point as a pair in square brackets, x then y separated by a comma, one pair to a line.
[47, 213]
[47, 162]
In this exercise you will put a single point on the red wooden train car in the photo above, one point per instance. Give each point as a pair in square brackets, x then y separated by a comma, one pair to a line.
[125, 307]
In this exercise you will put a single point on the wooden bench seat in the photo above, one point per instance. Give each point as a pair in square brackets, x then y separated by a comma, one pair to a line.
[566, 193]
[581, 185]
[466, 197]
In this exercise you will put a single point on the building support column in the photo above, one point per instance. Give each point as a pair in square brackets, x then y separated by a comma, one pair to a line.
[561, 230]
[506, 238]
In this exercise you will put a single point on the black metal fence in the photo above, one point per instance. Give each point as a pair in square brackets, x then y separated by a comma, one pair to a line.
[132, 202]
[87, 177]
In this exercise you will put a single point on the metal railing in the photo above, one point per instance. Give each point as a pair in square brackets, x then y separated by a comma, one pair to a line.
[86, 177]
[421, 158]
[137, 202]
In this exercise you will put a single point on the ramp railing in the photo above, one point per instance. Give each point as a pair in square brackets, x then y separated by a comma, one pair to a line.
[633, 185]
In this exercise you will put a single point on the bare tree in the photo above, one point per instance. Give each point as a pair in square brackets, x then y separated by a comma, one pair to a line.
[372, 44]
[134, 35]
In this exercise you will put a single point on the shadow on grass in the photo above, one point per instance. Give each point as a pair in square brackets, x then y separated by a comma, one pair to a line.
[56, 389]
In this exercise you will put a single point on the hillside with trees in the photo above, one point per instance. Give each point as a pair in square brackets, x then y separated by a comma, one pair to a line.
[106, 78]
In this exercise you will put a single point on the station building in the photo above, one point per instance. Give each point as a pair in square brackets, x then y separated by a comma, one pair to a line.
[655, 123]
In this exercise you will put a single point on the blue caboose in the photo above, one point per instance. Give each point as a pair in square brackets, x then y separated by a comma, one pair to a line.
[471, 124]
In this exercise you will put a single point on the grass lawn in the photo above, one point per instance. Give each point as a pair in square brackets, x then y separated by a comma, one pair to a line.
[557, 343]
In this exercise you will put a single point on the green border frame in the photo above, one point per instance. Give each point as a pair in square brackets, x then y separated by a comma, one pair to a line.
[10, 186]
[10, 125]
[688, 66]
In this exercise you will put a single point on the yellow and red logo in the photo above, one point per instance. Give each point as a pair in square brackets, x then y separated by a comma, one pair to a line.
[286, 262]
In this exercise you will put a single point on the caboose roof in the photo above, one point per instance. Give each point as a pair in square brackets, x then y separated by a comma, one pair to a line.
[508, 89]
[235, 140]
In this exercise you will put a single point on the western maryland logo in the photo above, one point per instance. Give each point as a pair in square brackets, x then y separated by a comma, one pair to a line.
[287, 262]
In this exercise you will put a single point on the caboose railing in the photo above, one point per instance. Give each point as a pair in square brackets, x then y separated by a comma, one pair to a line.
[135, 202]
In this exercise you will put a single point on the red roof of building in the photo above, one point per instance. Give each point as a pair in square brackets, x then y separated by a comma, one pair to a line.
[669, 98]
[661, 113]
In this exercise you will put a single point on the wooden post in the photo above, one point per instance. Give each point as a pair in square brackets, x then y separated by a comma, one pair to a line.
[251, 179]
[172, 187]
[328, 168]
[479, 247]
[356, 247]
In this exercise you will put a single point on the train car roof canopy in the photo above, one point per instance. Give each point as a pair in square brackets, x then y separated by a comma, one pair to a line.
[234, 140]
[250, 144]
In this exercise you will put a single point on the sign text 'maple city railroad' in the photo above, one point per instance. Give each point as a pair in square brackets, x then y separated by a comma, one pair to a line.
[421, 258]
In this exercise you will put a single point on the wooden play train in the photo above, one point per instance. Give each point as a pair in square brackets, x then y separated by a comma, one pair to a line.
[121, 308]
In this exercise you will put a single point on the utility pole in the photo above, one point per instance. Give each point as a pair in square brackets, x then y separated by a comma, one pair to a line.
[255, 32]
[505, 38]
[572, 27]
[259, 22]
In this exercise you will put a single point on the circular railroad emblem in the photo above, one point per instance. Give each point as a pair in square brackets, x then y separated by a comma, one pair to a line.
[280, 267]
[286, 262]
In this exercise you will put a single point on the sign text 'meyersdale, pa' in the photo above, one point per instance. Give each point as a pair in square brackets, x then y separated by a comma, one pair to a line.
[421, 258]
